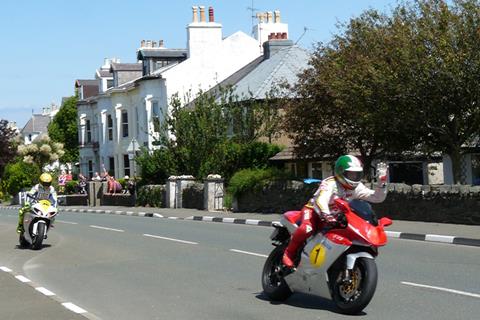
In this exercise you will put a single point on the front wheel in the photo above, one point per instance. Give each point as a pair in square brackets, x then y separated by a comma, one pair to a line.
[273, 283]
[38, 239]
[352, 295]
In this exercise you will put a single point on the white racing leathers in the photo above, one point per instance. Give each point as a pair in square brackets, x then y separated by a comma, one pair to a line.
[330, 189]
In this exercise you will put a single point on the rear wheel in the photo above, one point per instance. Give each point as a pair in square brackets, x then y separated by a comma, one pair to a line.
[38, 239]
[273, 283]
[352, 295]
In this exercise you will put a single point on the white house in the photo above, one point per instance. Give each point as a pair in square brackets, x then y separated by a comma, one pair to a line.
[131, 110]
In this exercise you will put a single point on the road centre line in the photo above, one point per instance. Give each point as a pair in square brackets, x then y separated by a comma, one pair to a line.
[105, 228]
[23, 279]
[45, 291]
[170, 239]
[70, 306]
[67, 222]
[463, 293]
[5, 269]
[250, 253]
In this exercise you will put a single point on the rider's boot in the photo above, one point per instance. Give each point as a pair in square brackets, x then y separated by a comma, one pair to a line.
[290, 253]
[21, 214]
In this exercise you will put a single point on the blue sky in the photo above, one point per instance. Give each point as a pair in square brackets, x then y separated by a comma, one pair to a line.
[47, 44]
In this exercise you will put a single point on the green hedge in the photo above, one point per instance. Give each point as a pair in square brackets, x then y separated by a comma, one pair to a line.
[151, 196]
[254, 180]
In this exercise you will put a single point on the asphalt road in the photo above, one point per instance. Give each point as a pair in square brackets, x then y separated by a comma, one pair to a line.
[122, 267]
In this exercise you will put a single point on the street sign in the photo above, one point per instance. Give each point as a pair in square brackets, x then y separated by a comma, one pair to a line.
[133, 146]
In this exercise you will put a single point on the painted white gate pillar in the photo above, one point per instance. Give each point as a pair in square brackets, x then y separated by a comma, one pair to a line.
[213, 193]
[170, 188]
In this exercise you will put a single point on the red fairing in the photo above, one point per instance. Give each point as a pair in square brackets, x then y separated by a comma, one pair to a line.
[293, 216]
[362, 231]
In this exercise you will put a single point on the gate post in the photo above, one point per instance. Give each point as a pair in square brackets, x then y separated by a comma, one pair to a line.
[213, 193]
[170, 188]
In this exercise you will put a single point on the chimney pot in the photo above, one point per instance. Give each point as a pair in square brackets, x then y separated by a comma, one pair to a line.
[284, 35]
[154, 44]
[202, 14]
[142, 44]
[279, 35]
[260, 17]
[195, 14]
[211, 17]
[276, 14]
[160, 44]
[269, 16]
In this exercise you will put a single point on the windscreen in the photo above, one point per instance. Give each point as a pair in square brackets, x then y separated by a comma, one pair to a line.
[364, 210]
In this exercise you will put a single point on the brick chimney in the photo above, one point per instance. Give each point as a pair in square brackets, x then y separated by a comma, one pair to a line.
[269, 27]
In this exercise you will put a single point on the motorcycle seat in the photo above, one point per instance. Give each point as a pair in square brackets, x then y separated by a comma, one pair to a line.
[294, 217]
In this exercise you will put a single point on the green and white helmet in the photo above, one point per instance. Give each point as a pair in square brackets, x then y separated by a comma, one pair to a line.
[349, 171]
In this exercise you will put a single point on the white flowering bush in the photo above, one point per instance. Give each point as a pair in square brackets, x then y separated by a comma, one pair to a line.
[42, 151]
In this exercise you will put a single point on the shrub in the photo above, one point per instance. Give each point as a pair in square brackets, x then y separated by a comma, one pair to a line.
[151, 195]
[71, 187]
[18, 176]
[254, 179]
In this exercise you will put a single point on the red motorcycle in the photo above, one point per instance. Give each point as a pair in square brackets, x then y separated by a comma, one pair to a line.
[338, 264]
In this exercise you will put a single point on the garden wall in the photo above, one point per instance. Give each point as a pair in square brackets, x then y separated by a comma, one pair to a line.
[443, 203]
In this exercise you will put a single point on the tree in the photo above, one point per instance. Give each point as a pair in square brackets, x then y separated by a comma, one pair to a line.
[212, 135]
[352, 97]
[7, 144]
[41, 151]
[64, 129]
[393, 83]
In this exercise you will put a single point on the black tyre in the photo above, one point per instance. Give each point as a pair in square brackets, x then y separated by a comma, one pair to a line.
[23, 242]
[273, 283]
[352, 297]
[38, 239]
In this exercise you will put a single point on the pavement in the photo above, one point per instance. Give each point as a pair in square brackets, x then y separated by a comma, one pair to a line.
[413, 230]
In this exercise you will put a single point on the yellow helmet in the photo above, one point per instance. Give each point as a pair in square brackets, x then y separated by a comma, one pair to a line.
[46, 179]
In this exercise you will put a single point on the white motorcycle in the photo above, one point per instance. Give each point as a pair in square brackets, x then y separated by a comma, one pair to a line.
[36, 223]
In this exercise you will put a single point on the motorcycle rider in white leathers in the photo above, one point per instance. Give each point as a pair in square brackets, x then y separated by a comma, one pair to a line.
[320, 210]
[41, 191]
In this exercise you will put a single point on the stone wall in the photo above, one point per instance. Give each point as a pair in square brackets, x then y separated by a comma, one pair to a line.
[193, 196]
[443, 203]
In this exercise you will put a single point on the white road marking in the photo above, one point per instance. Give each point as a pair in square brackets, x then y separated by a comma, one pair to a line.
[463, 293]
[229, 220]
[70, 306]
[170, 239]
[393, 234]
[5, 269]
[252, 221]
[23, 279]
[105, 228]
[249, 253]
[45, 291]
[439, 238]
[67, 222]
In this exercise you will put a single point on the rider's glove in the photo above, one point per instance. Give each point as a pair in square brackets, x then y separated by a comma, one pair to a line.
[329, 219]
[382, 173]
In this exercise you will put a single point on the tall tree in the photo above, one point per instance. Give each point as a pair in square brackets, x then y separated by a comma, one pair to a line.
[392, 83]
[7, 144]
[64, 129]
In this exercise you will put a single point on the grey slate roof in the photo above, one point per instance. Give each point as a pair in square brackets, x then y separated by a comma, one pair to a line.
[126, 67]
[102, 73]
[79, 83]
[37, 123]
[161, 53]
[256, 79]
